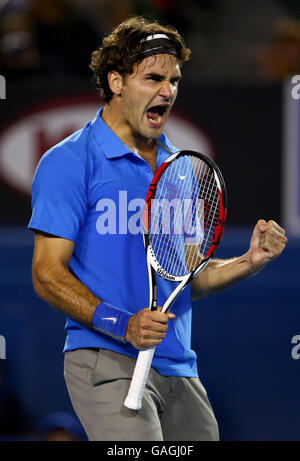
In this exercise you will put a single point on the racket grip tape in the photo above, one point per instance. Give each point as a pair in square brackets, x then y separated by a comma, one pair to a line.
[139, 379]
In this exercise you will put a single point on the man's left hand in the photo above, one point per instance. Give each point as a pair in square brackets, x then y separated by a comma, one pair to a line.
[267, 243]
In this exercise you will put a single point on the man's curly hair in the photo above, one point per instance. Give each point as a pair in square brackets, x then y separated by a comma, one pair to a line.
[123, 43]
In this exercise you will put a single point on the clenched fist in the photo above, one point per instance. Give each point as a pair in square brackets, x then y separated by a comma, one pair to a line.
[267, 243]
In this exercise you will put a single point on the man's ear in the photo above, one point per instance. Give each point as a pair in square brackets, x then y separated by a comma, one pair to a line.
[115, 81]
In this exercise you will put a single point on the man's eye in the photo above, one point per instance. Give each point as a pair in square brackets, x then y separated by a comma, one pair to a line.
[154, 78]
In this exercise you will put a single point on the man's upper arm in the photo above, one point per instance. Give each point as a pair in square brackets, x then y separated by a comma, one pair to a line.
[58, 194]
[50, 251]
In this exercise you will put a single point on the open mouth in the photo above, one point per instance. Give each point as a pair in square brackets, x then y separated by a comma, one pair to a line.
[156, 115]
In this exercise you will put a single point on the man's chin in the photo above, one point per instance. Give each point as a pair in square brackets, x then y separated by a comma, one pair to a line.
[155, 133]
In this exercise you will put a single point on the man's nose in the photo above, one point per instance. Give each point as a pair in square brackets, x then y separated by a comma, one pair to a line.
[166, 90]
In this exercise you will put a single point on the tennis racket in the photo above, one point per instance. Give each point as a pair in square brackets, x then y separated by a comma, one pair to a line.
[183, 221]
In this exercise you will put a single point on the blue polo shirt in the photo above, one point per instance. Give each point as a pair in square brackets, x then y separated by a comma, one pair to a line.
[90, 189]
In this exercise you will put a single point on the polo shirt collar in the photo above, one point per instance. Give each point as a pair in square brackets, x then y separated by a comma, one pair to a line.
[111, 144]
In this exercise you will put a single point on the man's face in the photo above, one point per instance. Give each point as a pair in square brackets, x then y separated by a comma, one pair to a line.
[148, 95]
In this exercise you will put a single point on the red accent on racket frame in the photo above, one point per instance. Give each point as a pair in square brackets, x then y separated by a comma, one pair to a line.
[219, 227]
[151, 193]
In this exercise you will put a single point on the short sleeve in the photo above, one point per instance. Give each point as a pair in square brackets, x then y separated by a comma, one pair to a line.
[58, 193]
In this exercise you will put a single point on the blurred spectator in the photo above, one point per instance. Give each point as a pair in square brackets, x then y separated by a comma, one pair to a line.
[18, 46]
[51, 36]
[282, 57]
[110, 13]
[60, 427]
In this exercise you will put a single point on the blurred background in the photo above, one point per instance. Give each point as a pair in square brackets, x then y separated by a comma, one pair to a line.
[239, 102]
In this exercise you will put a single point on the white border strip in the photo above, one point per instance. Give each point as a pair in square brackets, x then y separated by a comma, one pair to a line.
[290, 160]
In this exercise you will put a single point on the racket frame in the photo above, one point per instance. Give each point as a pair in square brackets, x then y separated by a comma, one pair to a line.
[153, 265]
[139, 379]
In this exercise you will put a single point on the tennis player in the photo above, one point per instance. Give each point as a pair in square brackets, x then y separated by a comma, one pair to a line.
[89, 259]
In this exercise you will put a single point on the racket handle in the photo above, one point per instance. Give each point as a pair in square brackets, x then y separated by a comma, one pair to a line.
[139, 379]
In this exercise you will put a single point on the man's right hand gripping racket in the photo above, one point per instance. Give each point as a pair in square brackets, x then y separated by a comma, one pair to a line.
[183, 221]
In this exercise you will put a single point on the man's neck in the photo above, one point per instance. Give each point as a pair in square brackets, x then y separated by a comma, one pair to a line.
[145, 148]
[135, 142]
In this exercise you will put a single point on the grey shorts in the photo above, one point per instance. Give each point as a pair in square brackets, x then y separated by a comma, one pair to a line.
[174, 408]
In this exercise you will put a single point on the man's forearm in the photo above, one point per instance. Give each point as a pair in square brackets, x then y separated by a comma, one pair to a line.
[61, 289]
[220, 274]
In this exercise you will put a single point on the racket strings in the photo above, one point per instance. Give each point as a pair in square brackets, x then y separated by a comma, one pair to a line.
[185, 214]
[177, 252]
[167, 244]
[171, 252]
[209, 196]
